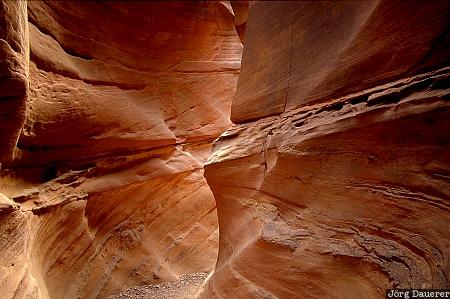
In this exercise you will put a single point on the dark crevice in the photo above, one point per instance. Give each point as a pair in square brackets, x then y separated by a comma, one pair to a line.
[388, 98]
[50, 173]
[333, 107]
[416, 86]
[359, 99]
[441, 83]
[299, 123]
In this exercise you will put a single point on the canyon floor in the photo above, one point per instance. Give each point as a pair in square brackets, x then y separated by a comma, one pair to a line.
[185, 288]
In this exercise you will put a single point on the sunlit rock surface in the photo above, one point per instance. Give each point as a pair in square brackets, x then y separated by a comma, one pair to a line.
[104, 188]
[343, 193]
[142, 75]
[332, 183]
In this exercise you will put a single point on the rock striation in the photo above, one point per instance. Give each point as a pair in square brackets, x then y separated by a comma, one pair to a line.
[13, 74]
[304, 52]
[122, 174]
[334, 181]
[111, 109]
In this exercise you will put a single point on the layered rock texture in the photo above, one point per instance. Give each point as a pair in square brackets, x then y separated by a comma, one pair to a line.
[335, 180]
[108, 112]
[303, 52]
[13, 74]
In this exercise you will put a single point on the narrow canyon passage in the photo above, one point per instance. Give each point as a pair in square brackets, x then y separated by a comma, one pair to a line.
[102, 184]
[224, 149]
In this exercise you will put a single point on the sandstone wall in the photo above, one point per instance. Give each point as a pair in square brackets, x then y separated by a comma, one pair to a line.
[334, 181]
[13, 74]
[106, 188]
[301, 52]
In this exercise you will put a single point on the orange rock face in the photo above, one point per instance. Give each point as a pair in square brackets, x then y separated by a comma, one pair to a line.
[332, 183]
[300, 52]
[104, 189]
[148, 80]
[345, 192]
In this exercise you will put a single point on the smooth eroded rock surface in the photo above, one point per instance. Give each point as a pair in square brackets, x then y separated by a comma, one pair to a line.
[106, 188]
[161, 73]
[341, 200]
[334, 183]
[300, 52]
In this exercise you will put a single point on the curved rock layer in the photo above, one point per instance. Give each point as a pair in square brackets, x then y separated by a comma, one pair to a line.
[333, 183]
[142, 75]
[104, 187]
[347, 195]
[353, 193]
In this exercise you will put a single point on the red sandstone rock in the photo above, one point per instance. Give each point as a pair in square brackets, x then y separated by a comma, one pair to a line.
[340, 200]
[301, 52]
[162, 75]
[332, 184]
[106, 188]
[344, 193]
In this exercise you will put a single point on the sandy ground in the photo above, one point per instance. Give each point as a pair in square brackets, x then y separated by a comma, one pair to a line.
[186, 287]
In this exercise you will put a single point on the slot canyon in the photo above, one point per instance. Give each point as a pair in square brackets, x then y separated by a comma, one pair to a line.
[224, 149]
